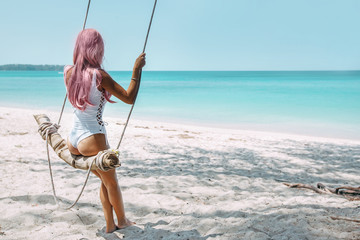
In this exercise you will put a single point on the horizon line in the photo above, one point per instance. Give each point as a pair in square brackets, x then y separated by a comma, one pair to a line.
[200, 70]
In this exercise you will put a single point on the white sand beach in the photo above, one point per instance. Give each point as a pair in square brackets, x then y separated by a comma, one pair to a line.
[180, 182]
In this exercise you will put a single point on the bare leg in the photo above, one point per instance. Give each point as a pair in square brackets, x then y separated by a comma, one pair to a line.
[107, 208]
[110, 193]
[114, 195]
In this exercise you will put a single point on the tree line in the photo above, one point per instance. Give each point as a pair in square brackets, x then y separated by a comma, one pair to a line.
[30, 67]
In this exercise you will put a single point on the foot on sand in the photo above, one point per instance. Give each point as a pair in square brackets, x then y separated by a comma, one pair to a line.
[125, 224]
[111, 229]
[121, 225]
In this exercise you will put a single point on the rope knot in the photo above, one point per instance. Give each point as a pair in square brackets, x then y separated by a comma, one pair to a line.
[47, 128]
[112, 160]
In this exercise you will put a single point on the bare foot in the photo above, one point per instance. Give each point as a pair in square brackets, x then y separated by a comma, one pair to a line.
[125, 224]
[111, 229]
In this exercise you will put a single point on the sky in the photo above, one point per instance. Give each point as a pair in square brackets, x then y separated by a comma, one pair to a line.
[188, 34]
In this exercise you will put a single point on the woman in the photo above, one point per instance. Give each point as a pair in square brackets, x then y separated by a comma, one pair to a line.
[89, 88]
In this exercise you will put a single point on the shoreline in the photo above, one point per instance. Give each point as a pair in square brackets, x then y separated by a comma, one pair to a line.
[208, 126]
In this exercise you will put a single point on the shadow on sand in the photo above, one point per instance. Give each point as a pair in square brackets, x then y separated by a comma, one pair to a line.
[151, 232]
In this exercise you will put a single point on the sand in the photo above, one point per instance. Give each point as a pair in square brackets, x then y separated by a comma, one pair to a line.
[180, 182]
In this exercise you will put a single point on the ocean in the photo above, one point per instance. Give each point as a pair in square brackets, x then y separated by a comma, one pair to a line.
[317, 103]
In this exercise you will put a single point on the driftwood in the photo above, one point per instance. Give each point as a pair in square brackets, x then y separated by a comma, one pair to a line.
[350, 193]
[345, 219]
[109, 159]
[300, 185]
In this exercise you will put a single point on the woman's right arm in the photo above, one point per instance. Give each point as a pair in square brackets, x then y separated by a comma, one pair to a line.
[127, 96]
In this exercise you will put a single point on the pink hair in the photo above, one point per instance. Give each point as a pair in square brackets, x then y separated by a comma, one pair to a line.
[88, 54]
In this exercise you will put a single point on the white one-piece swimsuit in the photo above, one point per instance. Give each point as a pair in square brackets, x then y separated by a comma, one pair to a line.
[89, 121]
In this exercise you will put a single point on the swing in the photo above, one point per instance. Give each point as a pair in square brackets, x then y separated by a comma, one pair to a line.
[104, 160]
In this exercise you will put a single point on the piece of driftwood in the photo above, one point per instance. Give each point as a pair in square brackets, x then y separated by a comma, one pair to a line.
[345, 219]
[109, 158]
[348, 190]
[300, 185]
[324, 188]
[351, 193]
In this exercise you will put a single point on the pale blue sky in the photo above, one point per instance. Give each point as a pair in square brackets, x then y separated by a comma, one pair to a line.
[189, 34]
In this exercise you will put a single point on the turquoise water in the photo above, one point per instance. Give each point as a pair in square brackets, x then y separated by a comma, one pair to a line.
[312, 103]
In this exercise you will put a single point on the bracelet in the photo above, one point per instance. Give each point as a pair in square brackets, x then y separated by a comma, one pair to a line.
[135, 79]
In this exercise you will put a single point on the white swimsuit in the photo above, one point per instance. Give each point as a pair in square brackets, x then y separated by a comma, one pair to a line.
[89, 121]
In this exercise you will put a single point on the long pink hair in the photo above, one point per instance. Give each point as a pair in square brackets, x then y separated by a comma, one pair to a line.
[88, 54]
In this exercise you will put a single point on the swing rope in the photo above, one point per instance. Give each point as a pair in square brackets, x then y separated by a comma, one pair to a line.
[138, 86]
[63, 106]
[52, 128]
